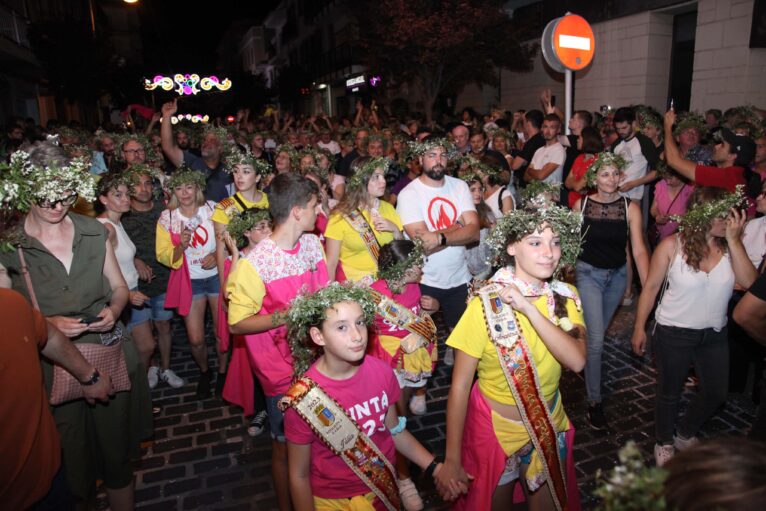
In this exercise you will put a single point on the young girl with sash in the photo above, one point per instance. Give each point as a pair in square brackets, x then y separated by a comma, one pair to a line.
[243, 232]
[518, 332]
[405, 338]
[341, 428]
[361, 223]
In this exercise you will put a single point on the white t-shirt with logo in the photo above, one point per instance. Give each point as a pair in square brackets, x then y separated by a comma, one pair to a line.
[439, 208]
[202, 241]
[554, 153]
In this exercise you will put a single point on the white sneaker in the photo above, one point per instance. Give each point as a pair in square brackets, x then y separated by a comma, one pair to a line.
[663, 454]
[172, 379]
[153, 375]
[418, 404]
[410, 498]
[449, 357]
[681, 444]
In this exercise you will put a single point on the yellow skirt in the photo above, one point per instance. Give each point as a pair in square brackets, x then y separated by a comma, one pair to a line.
[411, 368]
[358, 503]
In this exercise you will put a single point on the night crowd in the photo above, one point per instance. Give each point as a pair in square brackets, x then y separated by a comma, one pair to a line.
[317, 248]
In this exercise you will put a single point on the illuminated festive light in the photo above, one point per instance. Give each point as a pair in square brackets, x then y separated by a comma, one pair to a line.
[209, 82]
[196, 118]
[186, 85]
[159, 81]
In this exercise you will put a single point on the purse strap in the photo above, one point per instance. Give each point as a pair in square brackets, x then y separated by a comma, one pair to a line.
[27, 278]
[665, 282]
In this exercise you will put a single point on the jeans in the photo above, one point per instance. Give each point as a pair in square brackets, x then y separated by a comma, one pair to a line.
[451, 301]
[601, 291]
[675, 349]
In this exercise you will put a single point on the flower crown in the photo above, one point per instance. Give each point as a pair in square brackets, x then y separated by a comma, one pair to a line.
[648, 116]
[113, 180]
[744, 115]
[631, 484]
[292, 152]
[521, 222]
[604, 159]
[121, 139]
[310, 309]
[420, 148]
[396, 272]
[500, 132]
[362, 174]
[470, 177]
[234, 156]
[693, 120]
[138, 169]
[186, 175]
[699, 216]
[539, 193]
[244, 222]
[222, 134]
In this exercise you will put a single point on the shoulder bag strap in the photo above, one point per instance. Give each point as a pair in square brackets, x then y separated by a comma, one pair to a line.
[27, 279]
[665, 282]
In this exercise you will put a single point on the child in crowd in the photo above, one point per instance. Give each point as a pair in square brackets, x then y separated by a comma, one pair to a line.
[406, 337]
[243, 232]
[477, 254]
[264, 283]
[341, 428]
[517, 333]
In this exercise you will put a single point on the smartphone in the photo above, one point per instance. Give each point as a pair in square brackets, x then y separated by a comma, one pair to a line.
[553, 100]
[671, 104]
[90, 319]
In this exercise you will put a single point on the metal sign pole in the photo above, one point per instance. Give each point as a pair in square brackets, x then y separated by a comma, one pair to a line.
[567, 98]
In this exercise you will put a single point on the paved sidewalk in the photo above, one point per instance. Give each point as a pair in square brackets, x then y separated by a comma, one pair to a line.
[202, 457]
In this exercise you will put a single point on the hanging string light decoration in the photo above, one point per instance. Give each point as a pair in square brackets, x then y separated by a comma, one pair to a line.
[188, 84]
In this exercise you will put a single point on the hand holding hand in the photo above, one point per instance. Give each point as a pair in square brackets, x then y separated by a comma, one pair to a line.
[451, 480]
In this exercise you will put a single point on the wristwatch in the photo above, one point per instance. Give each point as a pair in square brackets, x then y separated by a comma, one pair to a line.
[442, 239]
[93, 379]
[429, 471]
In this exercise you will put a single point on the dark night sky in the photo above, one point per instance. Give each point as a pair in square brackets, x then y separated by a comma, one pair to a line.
[180, 36]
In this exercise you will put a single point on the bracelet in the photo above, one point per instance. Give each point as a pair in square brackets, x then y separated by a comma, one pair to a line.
[442, 240]
[429, 471]
[399, 427]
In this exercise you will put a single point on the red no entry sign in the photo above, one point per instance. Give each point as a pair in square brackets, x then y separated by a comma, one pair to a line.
[568, 43]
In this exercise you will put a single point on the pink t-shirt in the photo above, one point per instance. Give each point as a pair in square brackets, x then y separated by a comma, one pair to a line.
[366, 397]
[665, 208]
[284, 273]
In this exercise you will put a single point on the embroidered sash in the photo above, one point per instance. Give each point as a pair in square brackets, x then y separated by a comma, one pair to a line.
[360, 225]
[422, 328]
[344, 437]
[519, 368]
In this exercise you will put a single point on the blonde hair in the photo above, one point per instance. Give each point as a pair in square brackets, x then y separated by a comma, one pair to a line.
[199, 199]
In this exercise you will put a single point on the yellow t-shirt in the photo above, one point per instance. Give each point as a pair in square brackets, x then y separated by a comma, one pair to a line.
[245, 290]
[354, 256]
[471, 337]
[229, 207]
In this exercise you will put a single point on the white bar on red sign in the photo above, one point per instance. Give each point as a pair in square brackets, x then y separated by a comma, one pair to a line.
[574, 42]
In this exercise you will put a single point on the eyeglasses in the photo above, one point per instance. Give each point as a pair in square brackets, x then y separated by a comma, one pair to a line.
[134, 151]
[66, 202]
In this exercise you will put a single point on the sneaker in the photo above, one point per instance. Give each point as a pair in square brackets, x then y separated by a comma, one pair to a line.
[203, 385]
[681, 443]
[153, 375]
[449, 357]
[257, 423]
[410, 498]
[663, 454]
[597, 418]
[418, 404]
[220, 381]
[171, 378]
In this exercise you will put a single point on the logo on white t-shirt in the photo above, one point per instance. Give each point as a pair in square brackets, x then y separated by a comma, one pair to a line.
[442, 213]
[200, 237]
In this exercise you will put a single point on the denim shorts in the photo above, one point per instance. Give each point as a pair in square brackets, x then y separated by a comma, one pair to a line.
[153, 310]
[205, 287]
[276, 418]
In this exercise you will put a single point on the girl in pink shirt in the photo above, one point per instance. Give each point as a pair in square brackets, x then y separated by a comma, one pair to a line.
[328, 332]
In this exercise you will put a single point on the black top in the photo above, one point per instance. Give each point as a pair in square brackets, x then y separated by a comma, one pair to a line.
[606, 233]
[217, 179]
[527, 152]
[141, 228]
[758, 289]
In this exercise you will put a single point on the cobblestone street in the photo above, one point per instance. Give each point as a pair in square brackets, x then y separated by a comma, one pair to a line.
[202, 458]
